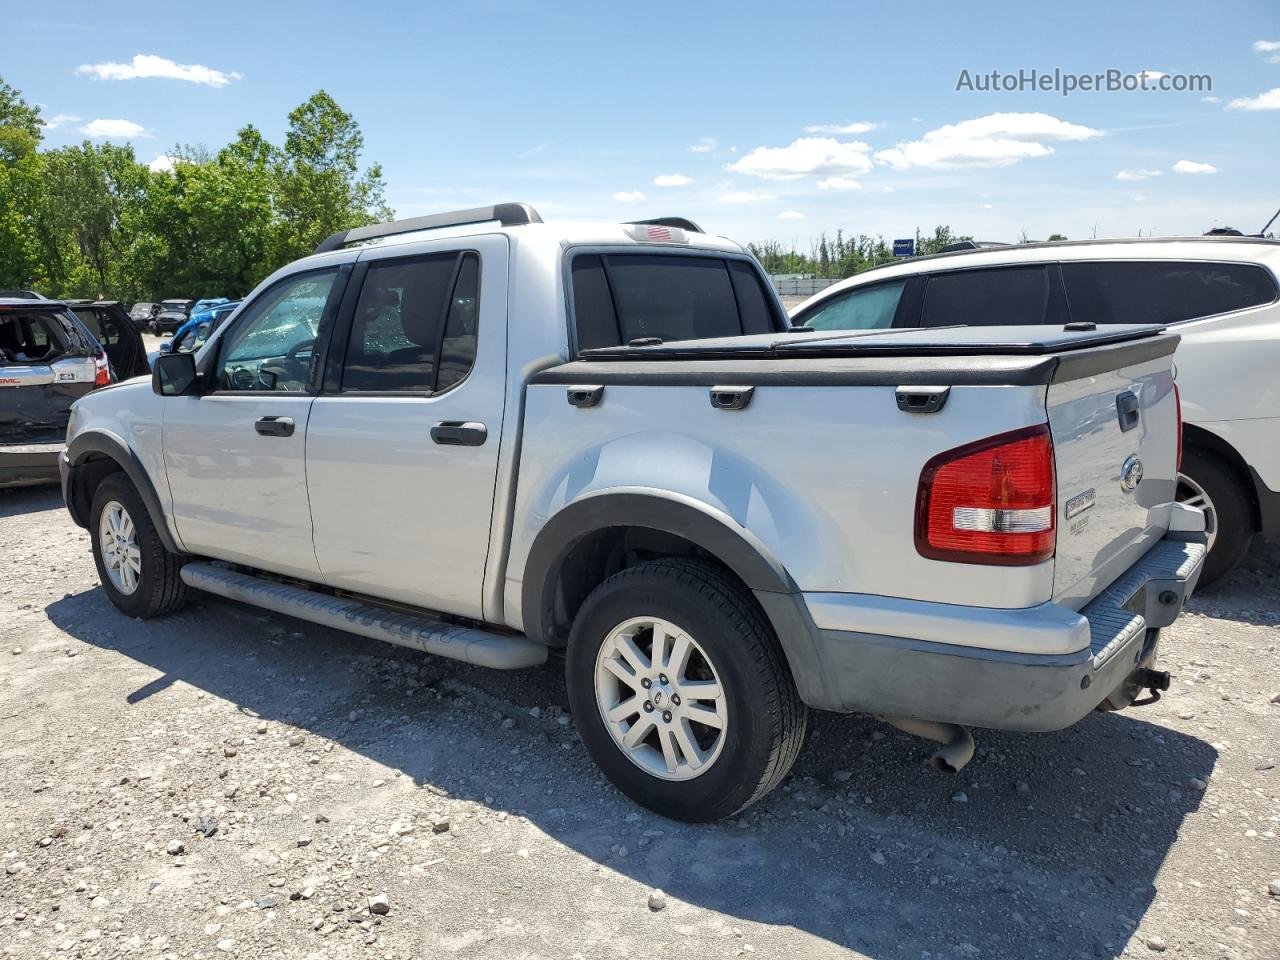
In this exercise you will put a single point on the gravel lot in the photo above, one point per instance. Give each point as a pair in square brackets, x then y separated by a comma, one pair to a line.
[229, 783]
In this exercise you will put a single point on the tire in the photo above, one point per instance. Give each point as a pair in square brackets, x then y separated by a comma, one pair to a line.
[145, 582]
[1208, 482]
[719, 770]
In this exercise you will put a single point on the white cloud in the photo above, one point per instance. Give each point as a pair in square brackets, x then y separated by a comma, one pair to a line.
[1268, 100]
[628, 196]
[804, 157]
[1137, 174]
[1140, 197]
[671, 180]
[1210, 99]
[1193, 166]
[60, 120]
[146, 66]
[839, 183]
[113, 129]
[163, 163]
[844, 129]
[1152, 75]
[744, 196]
[1271, 47]
[791, 215]
[996, 140]
[704, 145]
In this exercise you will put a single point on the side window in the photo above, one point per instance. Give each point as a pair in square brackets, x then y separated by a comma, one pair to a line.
[754, 305]
[862, 308]
[89, 317]
[622, 297]
[1163, 291]
[273, 341]
[1007, 296]
[414, 327]
[458, 349]
[593, 313]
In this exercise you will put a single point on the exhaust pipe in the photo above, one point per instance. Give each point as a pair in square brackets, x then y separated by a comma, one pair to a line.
[957, 744]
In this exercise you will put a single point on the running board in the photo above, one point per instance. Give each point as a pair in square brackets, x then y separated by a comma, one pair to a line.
[485, 649]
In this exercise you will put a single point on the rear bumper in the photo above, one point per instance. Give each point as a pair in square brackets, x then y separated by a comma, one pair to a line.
[23, 465]
[892, 672]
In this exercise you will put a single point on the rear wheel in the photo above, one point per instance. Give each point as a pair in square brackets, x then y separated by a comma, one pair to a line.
[1206, 481]
[680, 691]
[139, 575]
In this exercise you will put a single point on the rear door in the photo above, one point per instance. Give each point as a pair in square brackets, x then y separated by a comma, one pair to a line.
[46, 364]
[402, 445]
[118, 337]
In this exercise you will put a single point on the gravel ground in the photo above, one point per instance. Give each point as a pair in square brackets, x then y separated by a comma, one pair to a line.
[229, 783]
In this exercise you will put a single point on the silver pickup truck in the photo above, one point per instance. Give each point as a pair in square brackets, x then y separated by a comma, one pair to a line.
[489, 438]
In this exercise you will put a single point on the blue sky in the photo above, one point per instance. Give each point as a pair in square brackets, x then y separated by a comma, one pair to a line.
[758, 120]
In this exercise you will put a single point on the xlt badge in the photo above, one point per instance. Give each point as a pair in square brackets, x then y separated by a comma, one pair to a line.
[1081, 502]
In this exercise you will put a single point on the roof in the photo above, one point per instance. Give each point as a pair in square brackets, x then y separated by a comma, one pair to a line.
[1124, 248]
[27, 304]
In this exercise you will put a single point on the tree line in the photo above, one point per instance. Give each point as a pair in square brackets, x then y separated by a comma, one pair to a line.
[844, 255]
[91, 220]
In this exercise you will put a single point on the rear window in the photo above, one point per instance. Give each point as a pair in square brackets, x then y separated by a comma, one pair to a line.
[1163, 291]
[32, 337]
[1008, 296]
[618, 298]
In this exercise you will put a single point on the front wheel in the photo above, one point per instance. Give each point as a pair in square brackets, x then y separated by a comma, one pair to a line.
[680, 691]
[139, 575]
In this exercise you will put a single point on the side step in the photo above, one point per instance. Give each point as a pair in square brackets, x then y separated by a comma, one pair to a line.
[498, 650]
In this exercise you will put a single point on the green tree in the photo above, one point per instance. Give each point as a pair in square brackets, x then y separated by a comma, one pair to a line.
[321, 188]
[91, 192]
[1056, 236]
[20, 190]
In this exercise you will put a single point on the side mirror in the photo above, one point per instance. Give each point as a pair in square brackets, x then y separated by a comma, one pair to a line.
[174, 375]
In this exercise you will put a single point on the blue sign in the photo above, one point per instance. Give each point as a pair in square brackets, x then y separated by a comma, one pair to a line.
[904, 248]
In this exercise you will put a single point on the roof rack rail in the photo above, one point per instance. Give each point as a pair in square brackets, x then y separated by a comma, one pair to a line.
[683, 223]
[507, 214]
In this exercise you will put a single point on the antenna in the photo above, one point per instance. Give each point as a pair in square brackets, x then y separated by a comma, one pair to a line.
[1263, 231]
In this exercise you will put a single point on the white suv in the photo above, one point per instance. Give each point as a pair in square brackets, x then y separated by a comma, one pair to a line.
[1218, 293]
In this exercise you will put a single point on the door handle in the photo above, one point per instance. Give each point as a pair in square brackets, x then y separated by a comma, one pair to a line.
[456, 433]
[1127, 410]
[274, 426]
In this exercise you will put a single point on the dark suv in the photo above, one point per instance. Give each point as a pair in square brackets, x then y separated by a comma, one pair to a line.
[172, 315]
[50, 357]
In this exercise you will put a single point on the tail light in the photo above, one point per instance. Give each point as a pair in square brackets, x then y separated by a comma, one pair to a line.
[101, 371]
[1177, 402]
[992, 502]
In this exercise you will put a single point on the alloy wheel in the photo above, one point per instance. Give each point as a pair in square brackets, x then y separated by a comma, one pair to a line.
[661, 698]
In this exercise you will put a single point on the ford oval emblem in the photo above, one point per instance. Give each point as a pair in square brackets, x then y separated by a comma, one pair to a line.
[1131, 473]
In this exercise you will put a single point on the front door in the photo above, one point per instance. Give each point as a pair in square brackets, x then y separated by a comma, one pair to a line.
[402, 444]
[234, 455]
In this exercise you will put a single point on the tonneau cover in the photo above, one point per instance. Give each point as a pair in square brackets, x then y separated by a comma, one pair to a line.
[903, 342]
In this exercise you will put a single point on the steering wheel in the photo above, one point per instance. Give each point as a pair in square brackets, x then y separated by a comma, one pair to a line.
[291, 364]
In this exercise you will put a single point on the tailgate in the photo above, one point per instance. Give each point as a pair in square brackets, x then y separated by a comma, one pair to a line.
[1115, 438]
[36, 398]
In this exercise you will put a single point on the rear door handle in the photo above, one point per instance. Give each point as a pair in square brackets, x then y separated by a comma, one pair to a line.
[456, 433]
[274, 426]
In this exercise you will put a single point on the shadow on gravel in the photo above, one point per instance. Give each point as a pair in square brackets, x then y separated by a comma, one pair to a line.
[1046, 845]
[1248, 594]
[15, 501]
